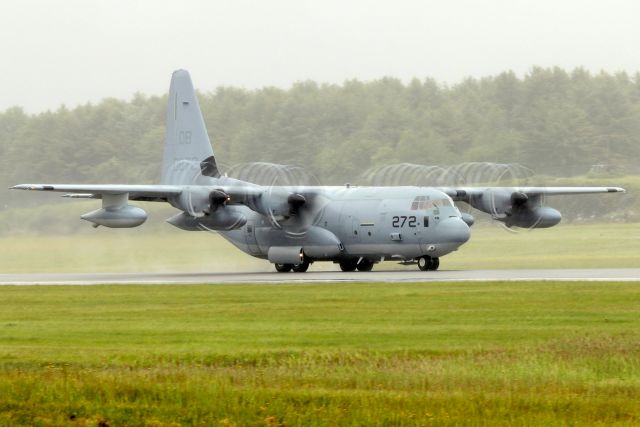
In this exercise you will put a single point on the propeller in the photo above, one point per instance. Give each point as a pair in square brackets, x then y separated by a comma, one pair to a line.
[287, 203]
[197, 202]
[512, 202]
[304, 212]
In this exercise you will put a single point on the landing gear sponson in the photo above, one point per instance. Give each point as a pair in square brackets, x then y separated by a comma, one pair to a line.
[345, 265]
[425, 263]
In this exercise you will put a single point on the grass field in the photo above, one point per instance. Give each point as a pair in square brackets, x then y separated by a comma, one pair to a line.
[550, 353]
[490, 247]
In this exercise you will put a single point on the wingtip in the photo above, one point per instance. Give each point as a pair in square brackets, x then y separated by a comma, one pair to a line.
[31, 187]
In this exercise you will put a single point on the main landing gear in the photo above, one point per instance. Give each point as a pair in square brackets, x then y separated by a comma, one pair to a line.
[297, 268]
[426, 263]
[302, 267]
[283, 268]
[353, 264]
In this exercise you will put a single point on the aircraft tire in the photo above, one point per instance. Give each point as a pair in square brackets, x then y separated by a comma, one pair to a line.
[435, 263]
[365, 265]
[302, 267]
[424, 262]
[349, 265]
[283, 268]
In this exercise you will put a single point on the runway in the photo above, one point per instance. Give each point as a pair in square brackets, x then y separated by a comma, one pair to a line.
[622, 274]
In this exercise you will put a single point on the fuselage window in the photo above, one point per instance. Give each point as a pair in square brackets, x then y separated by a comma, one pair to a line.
[426, 221]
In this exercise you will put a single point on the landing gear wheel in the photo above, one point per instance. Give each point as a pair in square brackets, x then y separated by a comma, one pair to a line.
[349, 265]
[302, 267]
[426, 263]
[365, 265]
[283, 268]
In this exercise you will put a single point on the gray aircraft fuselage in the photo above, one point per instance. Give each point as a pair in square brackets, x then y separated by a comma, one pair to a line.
[375, 223]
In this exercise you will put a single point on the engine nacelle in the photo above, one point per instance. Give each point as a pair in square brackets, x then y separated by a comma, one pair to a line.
[220, 220]
[516, 208]
[540, 217]
[117, 217]
[276, 202]
[197, 201]
[495, 201]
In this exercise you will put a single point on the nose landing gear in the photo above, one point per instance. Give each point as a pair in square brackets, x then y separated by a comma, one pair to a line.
[426, 263]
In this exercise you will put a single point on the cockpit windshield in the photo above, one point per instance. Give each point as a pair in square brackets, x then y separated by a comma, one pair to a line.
[424, 203]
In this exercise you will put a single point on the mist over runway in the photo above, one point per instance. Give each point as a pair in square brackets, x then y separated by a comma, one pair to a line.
[213, 278]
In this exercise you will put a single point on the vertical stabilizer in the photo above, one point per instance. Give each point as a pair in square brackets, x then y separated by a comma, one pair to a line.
[188, 156]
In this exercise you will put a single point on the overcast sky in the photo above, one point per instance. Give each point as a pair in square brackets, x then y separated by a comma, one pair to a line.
[77, 51]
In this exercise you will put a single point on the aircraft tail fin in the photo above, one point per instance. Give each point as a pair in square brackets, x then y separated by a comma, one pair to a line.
[188, 156]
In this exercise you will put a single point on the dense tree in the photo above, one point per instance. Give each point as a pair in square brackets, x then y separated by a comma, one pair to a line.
[556, 122]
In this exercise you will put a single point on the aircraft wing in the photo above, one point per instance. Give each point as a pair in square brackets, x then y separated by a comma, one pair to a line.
[95, 191]
[242, 194]
[520, 206]
[463, 194]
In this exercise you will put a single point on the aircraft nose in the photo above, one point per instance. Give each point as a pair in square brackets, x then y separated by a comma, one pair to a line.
[453, 230]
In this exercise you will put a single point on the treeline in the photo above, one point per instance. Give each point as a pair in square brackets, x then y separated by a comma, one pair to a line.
[553, 121]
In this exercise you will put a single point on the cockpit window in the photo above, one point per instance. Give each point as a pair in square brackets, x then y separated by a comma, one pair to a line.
[442, 203]
[419, 203]
[424, 203]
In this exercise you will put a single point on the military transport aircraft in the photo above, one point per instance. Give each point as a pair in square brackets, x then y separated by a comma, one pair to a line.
[293, 227]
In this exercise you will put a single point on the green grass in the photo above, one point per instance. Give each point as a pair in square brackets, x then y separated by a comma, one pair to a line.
[535, 353]
[490, 247]
[564, 246]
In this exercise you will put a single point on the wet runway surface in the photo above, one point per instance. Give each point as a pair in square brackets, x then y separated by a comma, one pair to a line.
[624, 274]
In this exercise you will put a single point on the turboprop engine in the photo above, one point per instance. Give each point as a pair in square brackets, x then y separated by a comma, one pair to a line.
[116, 213]
[515, 208]
[207, 211]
